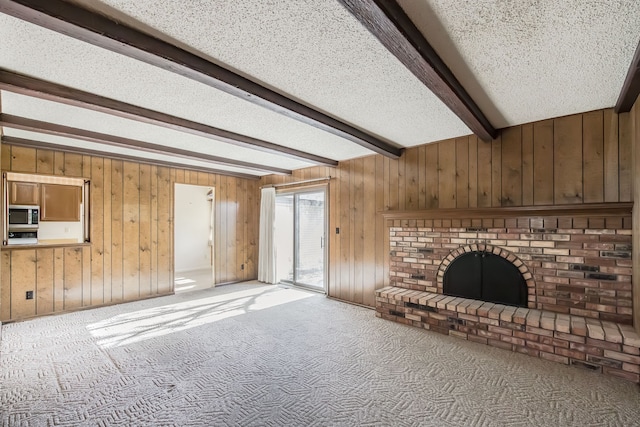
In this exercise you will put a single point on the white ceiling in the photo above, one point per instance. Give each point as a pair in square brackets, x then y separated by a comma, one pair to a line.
[521, 61]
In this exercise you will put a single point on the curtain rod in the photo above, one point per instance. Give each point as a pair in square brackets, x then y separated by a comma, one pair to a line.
[306, 181]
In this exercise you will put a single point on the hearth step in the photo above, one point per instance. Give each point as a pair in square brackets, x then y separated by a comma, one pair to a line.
[606, 347]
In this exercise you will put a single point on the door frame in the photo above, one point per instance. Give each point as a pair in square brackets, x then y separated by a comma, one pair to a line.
[318, 188]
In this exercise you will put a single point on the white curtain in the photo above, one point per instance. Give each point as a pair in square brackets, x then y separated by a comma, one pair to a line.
[266, 248]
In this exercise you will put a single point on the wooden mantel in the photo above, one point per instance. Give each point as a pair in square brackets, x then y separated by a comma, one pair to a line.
[582, 210]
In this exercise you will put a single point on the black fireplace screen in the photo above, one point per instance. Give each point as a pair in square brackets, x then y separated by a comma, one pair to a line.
[487, 277]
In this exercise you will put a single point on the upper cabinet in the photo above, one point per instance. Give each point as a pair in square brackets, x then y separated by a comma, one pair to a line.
[60, 202]
[23, 193]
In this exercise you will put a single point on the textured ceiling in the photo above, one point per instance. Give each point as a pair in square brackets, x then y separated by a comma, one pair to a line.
[520, 60]
[528, 60]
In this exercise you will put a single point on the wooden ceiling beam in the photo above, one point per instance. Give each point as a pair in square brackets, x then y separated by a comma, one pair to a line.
[631, 86]
[30, 143]
[22, 123]
[99, 30]
[24, 85]
[386, 20]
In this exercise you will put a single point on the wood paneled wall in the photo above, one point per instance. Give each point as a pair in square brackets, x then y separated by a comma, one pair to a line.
[583, 158]
[635, 131]
[131, 252]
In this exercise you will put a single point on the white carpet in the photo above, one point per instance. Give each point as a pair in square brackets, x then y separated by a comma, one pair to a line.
[255, 355]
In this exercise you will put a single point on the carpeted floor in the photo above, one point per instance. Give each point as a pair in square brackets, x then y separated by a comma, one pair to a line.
[255, 355]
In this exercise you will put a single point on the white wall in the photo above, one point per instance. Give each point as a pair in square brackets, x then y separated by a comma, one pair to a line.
[192, 219]
[60, 230]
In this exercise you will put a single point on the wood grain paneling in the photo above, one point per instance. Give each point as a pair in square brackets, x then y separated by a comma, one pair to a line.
[131, 251]
[524, 167]
[567, 160]
[535, 164]
[634, 121]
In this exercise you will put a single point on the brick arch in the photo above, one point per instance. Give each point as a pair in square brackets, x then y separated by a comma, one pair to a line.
[507, 255]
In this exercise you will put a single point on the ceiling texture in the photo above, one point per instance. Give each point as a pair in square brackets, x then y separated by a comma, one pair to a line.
[255, 87]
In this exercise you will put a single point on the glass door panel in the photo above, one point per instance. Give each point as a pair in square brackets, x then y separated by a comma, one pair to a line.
[310, 225]
[283, 238]
[300, 238]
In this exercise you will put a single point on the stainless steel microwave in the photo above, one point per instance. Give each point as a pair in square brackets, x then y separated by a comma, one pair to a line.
[23, 216]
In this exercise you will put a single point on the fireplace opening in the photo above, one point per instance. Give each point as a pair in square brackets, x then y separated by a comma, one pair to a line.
[487, 277]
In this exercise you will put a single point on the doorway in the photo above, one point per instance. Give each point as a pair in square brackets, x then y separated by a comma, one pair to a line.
[193, 237]
[301, 249]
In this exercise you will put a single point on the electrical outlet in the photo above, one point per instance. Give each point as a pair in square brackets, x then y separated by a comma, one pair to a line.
[29, 294]
[241, 266]
[337, 230]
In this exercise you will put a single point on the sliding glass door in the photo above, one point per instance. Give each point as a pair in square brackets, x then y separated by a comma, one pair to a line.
[300, 238]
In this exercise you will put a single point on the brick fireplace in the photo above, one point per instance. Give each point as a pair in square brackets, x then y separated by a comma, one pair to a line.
[575, 262]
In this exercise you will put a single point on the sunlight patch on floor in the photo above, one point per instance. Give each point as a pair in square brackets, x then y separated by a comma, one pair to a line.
[127, 328]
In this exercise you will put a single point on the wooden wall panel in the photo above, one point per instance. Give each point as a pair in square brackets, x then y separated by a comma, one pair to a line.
[496, 171]
[462, 172]
[523, 167]
[117, 230]
[625, 155]
[593, 161]
[23, 279]
[131, 251]
[97, 231]
[527, 165]
[446, 174]
[543, 163]
[44, 281]
[634, 132]
[431, 181]
[511, 167]
[473, 171]
[131, 232]
[567, 160]
[611, 160]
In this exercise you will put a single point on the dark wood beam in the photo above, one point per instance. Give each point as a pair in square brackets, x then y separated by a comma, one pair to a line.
[37, 88]
[386, 20]
[80, 23]
[29, 143]
[631, 86]
[16, 122]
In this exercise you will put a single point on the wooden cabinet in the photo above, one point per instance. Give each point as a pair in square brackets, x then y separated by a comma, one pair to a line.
[23, 193]
[59, 202]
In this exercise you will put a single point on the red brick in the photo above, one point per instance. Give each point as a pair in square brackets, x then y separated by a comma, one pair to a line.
[477, 339]
[554, 357]
[629, 376]
[570, 353]
[589, 349]
[569, 337]
[538, 331]
[488, 334]
[513, 340]
[541, 347]
[526, 335]
[500, 344]
[554, 342]
[604, 345]
[499, 330]
[528, 351]
[623, 357]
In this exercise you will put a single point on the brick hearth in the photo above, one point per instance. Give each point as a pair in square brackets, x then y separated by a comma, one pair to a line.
[606, 347]
[576, 262]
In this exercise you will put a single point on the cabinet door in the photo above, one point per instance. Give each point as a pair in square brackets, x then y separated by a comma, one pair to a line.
[23, 193]
[59, 202]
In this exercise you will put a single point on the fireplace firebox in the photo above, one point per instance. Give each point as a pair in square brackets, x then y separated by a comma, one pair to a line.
[485, 276]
